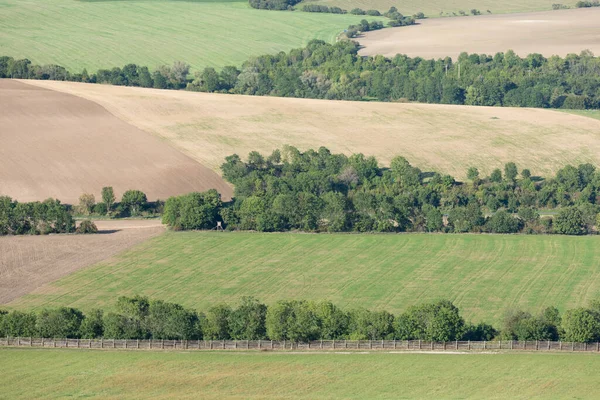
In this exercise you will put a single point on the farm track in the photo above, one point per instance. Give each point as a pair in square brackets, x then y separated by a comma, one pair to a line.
[29, 262]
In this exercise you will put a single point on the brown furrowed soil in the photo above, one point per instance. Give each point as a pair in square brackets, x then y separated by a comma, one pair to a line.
[59, 145]
[28, 262]
[548, 33]
[449, 139]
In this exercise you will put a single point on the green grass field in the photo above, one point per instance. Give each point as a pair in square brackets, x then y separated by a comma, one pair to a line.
[483, 274]
[585, 113]
[432, 8]
[28, 373]
[104, 34]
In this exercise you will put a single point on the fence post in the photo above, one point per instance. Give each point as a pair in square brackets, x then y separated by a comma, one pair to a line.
[114, 344]
[484, 344]
[560, 345]
[18, 341]
[31, 341]
[271, 345]
[137, 343]
[42, 342]
[597, 346]
[358, 344]
[101, 343]
[537, 345]
[125, 343]
[511, 344]
[223, 344]
[419, 344]
[77, 343]
[457, 345]
[432, 345]
[585, 346]
[548, 345]
[370, 345]
[259, 343]
[284, 344]
[572, 346]
[469, 344]
[334, 344]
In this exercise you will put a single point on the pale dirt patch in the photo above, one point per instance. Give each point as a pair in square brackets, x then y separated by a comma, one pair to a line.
[29, 262]
[548, 33]
[449, 139]
[59, 145]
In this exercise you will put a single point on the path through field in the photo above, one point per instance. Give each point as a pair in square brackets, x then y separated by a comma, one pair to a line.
[59, 145]
[548, 33]
[28, 262]
[449, 139]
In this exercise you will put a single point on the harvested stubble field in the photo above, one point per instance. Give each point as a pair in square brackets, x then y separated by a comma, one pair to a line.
[181, 375]
[104, 34]
[548, 33]
[28, 262]
[483, 274]
[59, 145]
[433, 8]
[449, 139]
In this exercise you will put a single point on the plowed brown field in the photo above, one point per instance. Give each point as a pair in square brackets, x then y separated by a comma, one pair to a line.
[548, 33]
[28, 262]
[58, 145]
[444, 138]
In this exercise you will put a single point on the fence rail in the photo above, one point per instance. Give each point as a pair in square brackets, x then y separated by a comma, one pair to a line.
[342, 345]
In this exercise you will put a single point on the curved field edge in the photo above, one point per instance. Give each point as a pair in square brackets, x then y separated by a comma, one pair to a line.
[108, 34]
[29, 262]
[76, 146]
[221, 375]
[484, 275]
[448, 139]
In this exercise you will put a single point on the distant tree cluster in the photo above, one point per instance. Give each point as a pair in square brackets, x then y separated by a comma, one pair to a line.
[317, 191]
[323, 9]
[36, 218]
[337, 72]
[134, 203]
[359, 11]
[273, 4]
[296, 320]
[587, 4]
[364, 26]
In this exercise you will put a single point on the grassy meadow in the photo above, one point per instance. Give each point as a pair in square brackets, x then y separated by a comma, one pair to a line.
[163, 375]
[483, 274]
[433, 8]
[105, 34]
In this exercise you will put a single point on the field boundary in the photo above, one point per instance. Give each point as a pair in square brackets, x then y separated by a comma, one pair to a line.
[317, 345]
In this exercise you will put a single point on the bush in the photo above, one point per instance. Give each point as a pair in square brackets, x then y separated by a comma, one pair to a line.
[62, 323]
[273, 4]
[569, 221]
[503, 222]
[357, 11]
[440, 321]
[100, 209]
[193, 211]
[134, 201]
[87, 227]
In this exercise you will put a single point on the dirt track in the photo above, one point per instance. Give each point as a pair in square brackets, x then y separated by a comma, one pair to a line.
[28, 262]
[449, 139]
[58, 145]
[548, 33]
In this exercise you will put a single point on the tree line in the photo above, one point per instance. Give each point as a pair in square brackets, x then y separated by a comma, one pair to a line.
[317, 191]
[296, 320]
[51, 216]
[336, 71]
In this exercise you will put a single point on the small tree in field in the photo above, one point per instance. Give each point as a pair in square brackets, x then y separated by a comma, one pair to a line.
[108, 197]
[86, 203]
[87, 226]
[134, 200]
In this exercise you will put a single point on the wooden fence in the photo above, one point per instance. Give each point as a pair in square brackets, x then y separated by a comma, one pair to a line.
[341, 345]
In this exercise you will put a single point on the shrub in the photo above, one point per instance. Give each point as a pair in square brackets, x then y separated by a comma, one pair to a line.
[134, 201]
[357, 11]
[63, 322]
[86, 203]
[87, 227]
[569, 221]
[440, 321]
[503, 222]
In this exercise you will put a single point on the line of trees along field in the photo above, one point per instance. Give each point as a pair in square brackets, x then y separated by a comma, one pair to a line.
[326, 71]
[50, 216]
[318, 191]
[141, 318]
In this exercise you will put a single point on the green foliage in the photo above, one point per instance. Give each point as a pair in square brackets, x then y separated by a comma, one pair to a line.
[273, 4]
[87, 227]
[62, 322]
[215, 323]
[581, 325]
[17, 323]
[440, 321]
[193, 211]
[108, 197]
[134, 201]
[569, 221]
[521, 325]
[170, 321]
[92, 325]
[370, 325]
[34, 218]
[503, 222]
[248, 320]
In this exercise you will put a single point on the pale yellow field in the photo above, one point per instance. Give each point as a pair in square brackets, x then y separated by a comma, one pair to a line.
[449, 139]
[433, 8]
[548, 33]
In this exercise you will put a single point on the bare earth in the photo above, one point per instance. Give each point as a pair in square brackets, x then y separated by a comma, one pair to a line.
[58, 145]
[28, 262]
[448, 139]
[548, 33]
